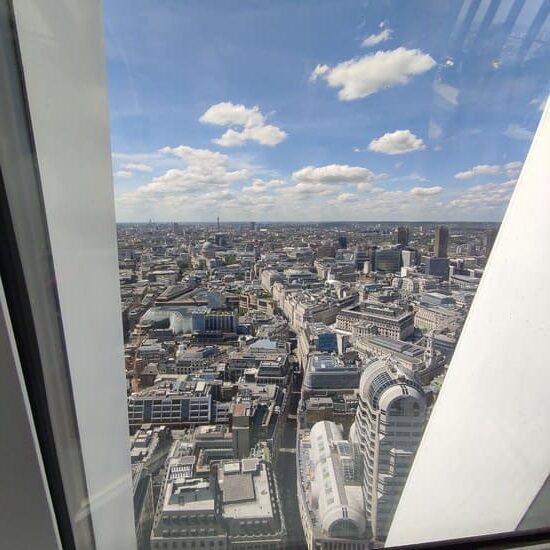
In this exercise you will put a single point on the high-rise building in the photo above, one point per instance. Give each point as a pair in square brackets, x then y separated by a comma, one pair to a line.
[408, 258]
[438, 267]
[441, 241]
[388, 427]
[403, 235]
[387, 260]
[342, 241]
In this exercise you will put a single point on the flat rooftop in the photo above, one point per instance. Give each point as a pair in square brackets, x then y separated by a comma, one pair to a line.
[249, 493]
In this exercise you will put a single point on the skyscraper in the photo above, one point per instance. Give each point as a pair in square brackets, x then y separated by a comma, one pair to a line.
[387, 429]
[387, 260]
[441, 241]
[403, 235]
[342, 241]
[438, 266]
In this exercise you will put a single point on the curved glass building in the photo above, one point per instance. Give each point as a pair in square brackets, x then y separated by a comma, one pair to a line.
[388, 427]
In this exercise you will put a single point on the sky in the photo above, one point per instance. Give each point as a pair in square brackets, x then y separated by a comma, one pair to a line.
[316, 110]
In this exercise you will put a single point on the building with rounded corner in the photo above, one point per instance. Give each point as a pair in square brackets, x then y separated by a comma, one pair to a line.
[387, 430]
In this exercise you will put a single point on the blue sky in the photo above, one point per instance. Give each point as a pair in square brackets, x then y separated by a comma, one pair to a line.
[317, 110]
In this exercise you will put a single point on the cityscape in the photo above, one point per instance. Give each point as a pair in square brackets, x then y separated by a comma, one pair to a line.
[307, 195]
[280, 375]
[268, 275]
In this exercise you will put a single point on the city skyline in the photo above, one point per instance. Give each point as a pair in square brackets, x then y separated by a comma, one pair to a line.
[304, 358]
[305, 114]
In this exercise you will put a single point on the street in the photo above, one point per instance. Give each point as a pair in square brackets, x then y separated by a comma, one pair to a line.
[286, 474]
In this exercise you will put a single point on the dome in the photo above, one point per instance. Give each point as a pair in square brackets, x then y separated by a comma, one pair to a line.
[208, 249]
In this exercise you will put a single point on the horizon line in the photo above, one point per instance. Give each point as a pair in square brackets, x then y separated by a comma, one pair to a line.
[214, 222]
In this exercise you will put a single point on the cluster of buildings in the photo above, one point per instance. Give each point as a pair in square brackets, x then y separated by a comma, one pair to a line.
[335, 337]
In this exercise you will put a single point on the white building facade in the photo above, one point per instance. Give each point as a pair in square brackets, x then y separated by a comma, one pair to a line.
[388, 427]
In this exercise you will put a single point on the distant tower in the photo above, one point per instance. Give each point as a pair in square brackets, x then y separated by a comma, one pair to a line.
[218, 219]
[388, 428]
[403, 235]
[441, 241]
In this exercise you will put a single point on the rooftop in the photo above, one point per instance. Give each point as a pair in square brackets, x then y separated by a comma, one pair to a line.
[246, 490]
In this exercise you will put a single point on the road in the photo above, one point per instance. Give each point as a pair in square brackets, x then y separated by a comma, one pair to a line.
[286, 475]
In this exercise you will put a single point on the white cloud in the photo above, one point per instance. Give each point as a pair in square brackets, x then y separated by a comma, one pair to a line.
[195, 157]
[375, 39]
[339, 174]
[261, 186]
[304, 190]
[361, 77]
[436, 189]
[434, 130]
[312, 181]
[515, 131]
[366, 187]
[249, 121]
[319, 70]
[399, 204]
[488, 196]
[397, 143]
[137, 167]
[265, 135]
[447, 92]
[205, 177]
[346, 197]
[511, 169]
[246, 203]
[123, 174]
[227, 114]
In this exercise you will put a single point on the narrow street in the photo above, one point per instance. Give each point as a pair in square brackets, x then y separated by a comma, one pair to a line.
[286, 474]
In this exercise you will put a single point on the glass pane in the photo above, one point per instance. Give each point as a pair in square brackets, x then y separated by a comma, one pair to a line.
[308, 194]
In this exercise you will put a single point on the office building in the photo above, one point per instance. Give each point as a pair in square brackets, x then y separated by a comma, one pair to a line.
[176, 400]
[438, 267]
[376, 318]
[250, 505]
[330, 496]
[408, 258]
[328, 375]
[387, 260]
[441, 241]
[387, 430]
[236, 506]
[403, 235]
[187, 510]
